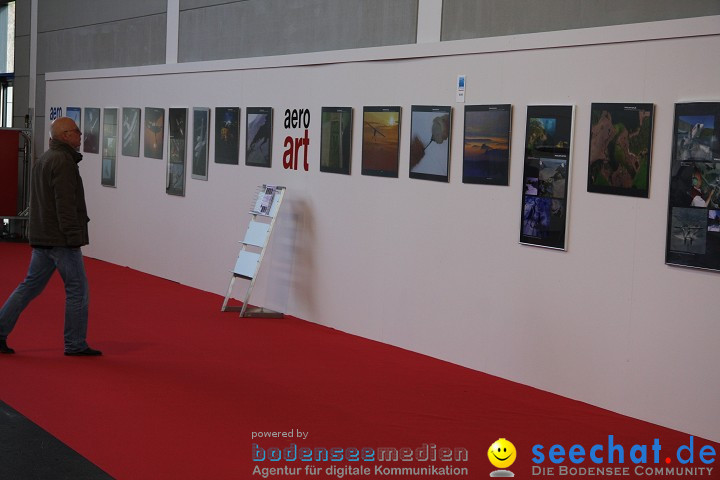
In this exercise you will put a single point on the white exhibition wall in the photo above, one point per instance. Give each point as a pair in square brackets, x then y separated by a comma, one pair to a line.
[436, 267]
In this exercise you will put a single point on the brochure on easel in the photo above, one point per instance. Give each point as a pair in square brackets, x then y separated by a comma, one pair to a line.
[266, 199]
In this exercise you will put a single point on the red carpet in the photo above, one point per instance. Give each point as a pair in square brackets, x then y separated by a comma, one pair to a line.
[182, 387]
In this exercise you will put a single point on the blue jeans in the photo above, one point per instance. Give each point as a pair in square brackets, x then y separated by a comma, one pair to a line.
[44, 262]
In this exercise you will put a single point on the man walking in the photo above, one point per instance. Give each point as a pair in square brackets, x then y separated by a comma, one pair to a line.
[58, 228]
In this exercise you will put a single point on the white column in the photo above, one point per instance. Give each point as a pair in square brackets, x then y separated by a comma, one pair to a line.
[429, 23]
[33, 62]
[173, 27]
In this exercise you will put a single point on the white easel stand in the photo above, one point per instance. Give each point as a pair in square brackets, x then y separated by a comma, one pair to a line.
[253, 249]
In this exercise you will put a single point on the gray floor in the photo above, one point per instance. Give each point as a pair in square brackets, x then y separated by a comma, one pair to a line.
[29, 452]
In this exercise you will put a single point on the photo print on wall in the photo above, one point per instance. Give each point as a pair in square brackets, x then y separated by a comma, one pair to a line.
[548, 133]
[430, 129]
[336, 140]
[109, 150]
[693, 224]
[131, 132]
[258, 139]
[486, 144]
[620, 148]
[201, 143]
[177, 141]
[154, 132]
[227, 135]
[91, 134]
[381, 141]
[76, 114]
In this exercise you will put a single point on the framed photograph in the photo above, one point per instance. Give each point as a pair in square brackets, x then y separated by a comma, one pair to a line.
[76, 114]
[131, 132]
[693, 224]
[336, 140]
[177, 144]
[258, 138]
[546, 175]
[154, 132]
[91, 134]
[381, 141]
[430, 129]
[227, 135]
[201, 143]
[486, 144]
[620, 148]
[109, 149]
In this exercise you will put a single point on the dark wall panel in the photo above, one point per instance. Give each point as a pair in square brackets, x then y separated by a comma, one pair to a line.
[275, 27]
[463, 19]
[60, 15]
[124, 43]
[22, 18]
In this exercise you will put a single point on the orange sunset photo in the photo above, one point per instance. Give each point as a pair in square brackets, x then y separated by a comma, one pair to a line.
[381, 134]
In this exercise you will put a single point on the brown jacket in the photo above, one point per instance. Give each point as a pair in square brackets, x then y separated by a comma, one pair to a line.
[58, 215]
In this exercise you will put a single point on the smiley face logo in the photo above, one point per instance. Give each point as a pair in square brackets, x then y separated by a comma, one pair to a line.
[502, 453]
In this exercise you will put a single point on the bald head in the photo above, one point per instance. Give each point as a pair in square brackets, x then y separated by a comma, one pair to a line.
[65, 130]
[60, 125]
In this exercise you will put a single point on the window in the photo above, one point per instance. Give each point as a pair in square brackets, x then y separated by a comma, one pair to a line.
[7, 61]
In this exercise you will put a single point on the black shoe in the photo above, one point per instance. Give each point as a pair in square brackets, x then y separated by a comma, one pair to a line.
[88, 352]
[4, 347]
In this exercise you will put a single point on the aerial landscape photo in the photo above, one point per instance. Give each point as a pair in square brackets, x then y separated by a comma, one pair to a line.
[620, 149]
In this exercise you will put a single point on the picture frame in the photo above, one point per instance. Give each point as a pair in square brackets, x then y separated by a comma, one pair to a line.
[258, 136]
[131, 117]
[546, 176]
[201, 143]
[154, 132]
[108, 168]
[75, 113]
[430, 137]
[381, 141]
[693, 217]
[177, 146]
[227, 135]
[336, 140]
[620, 154]
[91, 133]
[486, 144]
